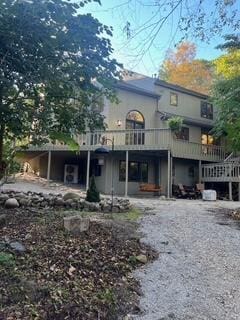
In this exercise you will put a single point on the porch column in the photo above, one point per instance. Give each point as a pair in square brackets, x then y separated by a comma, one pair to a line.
[230, 191]
[126, 175]
[238, 191]
[169, 174]
[199, 171]
[159, 171]
[49, 165]
[88, 170]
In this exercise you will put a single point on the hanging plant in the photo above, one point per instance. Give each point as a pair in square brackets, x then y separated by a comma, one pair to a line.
[175, 124]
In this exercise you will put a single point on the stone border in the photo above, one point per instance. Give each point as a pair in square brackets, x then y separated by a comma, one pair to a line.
[13, 199]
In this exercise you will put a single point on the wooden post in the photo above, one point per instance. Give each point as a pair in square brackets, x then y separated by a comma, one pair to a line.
[168, 174]
[126, 175]
[88, 170]
[230, 191]
[199, 171]
[49, 165]
[239, 191]
[159, 171]
[171, 175]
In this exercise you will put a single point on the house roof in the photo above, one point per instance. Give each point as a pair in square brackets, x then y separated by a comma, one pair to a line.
[180, 88]
[148, 83]
[133, 88]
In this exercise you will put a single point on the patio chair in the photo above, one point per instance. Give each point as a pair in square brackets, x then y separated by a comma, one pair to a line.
[199, 189]
[186, 192]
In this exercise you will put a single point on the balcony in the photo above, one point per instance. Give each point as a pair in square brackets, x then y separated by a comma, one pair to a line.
[143, 139]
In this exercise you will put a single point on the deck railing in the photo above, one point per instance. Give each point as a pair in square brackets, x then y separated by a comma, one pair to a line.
[182, 149]
[147, 139]
[221, 172]
[129, 139]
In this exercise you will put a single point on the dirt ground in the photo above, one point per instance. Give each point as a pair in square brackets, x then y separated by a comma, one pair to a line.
[48, 273]
[30, 182]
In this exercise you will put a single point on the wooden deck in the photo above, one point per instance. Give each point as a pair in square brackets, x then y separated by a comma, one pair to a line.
[146, 139]
[221, 172]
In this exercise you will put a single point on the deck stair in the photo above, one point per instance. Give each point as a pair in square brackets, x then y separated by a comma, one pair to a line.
[226, 171]
[221, 172]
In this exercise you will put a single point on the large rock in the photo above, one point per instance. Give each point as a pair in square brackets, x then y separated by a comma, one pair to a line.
[71, 195]
[91, 206]
[116, 209]
[17, 246]
[106, 208]
[3, 198]
[11, 203]
[24, 202]
[59, 201]
[71, 203]
[142, 258]
[76, 224]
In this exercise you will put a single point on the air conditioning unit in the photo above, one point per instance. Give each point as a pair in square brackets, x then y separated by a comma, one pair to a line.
[70, 173]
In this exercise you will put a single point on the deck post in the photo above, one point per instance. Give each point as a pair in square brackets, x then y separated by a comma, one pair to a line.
[126, 174]
[159, 172]
[169, 174]
[49, 165]
[88, 170]
[230, 191]
[199, 171]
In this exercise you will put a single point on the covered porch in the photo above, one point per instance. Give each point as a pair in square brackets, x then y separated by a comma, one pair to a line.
[120, 172]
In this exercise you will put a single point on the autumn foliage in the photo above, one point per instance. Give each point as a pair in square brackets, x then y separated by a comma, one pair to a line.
[180, 67]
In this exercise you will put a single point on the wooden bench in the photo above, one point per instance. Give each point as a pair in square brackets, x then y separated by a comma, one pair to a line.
[150, 187]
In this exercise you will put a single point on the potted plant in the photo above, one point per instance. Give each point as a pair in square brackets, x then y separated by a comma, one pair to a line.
[175, 124]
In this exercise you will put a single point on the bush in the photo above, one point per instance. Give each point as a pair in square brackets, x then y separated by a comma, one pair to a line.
[92, 192]
[6, 260]
[9, 151]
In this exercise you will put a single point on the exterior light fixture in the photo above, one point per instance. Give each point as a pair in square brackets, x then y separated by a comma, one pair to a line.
[100, 161]
[119, 123]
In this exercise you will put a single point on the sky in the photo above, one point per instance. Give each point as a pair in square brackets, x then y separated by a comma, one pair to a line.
[140, 52]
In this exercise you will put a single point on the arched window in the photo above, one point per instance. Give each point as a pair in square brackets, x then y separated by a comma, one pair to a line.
[135, 122]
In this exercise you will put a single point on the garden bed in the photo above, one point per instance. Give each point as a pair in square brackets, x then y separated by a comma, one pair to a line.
[55, 275]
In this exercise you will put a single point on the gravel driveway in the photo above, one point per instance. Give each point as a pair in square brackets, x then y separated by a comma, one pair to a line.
[197, 274]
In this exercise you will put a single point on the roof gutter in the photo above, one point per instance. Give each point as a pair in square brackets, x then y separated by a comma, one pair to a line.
[187, 120]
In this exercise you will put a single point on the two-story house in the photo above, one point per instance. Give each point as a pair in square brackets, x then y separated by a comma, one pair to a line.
[141, 146]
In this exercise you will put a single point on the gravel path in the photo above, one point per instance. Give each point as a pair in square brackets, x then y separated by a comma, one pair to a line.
[197, 274]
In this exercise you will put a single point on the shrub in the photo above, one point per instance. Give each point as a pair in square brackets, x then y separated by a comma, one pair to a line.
[92, 192]
[6, 260]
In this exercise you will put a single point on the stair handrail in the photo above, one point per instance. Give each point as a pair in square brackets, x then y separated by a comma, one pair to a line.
[228, 157]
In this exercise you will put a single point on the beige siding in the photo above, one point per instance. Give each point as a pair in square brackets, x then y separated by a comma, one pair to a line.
[131, 101]
[119, 186]
[188, 105]
[182, 172]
